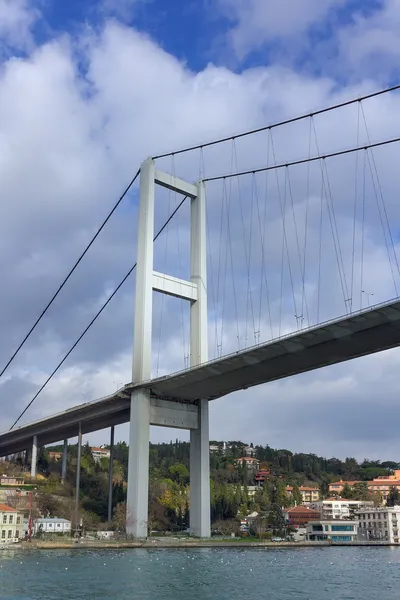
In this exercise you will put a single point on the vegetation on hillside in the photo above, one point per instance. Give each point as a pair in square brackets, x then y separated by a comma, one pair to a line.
[169, 492]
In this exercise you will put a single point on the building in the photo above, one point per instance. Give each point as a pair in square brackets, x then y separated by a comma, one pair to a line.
[251, 490]
[334, 531]
[337, 508]
[11, 480]
[251, 463]
[52, 525]
[11, 524]
[383, 484]
[214, 449]
[55, 456]
[381, 524]
[299, 516]
[308, 493]
[262, 476]
[337, 486]
[250, 451]
[380, 485]
[99, 453]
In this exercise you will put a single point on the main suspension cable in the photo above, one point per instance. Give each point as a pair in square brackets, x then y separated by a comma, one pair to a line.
[281, 123]
[61, 286]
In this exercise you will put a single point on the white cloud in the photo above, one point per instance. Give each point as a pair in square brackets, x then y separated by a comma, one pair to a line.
[256, 22]
[16, 20]
[70, 140]
[370, 43]
[123, 9]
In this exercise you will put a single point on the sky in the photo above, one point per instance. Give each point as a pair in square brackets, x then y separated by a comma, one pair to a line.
[90, 89]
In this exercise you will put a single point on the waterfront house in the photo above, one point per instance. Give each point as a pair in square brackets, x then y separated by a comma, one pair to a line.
[11, 524]
[52, 525]
[381, 524]
[334, 531]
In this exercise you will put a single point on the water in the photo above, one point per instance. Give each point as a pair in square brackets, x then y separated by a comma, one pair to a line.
[201, 574]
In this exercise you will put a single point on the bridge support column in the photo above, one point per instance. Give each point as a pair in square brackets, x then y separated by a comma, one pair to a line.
[200, 520]
[34, 457]
[64, 462]
[138, 477]
[78, 476]
[110, 475]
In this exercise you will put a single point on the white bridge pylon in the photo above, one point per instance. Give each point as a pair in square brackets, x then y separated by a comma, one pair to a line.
[146, 411]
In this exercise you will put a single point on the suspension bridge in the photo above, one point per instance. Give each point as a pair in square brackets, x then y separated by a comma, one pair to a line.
[274, 280]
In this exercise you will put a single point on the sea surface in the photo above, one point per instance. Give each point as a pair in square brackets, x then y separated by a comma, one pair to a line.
[199, 574]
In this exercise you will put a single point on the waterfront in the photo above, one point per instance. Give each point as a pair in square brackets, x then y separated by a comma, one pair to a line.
[201, 574]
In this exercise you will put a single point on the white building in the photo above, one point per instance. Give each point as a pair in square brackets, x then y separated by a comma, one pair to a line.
[381, 524]
[333, 508]
[99, 453]
[52, 525]
[11, 524]
[333, 530]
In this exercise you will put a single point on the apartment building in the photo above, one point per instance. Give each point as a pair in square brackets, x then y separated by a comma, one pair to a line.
[308, 493]
[381, 524]
[335, 508]
[382, 485]
[337, 486]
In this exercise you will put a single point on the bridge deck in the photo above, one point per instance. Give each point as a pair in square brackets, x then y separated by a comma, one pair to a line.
[366, 332]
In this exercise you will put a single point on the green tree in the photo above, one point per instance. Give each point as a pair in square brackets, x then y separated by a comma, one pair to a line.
[179, 473]
[346, 492]
[393, 498]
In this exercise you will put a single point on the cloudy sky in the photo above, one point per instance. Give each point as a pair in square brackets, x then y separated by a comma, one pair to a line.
[88, 90]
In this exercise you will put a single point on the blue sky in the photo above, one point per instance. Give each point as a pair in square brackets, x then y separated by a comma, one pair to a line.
[196, 31]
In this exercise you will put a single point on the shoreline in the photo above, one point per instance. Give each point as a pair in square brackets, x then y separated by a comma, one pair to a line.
[184, 544]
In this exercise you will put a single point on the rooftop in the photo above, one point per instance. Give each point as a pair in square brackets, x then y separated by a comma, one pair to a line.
[52, 520]
[6, 508]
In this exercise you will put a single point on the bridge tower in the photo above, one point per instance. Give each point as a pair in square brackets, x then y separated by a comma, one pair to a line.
[146, 410]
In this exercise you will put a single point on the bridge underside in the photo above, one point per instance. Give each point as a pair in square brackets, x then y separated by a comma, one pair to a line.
[367, 332]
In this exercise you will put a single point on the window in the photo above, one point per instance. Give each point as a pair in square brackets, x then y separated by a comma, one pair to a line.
[4, 519]
[50, 524]
[18, 520]
[9, 533]
[342, 527]
[326, 527]
[317, 528]
[58, 524]
[341, 538]
[3, 534]
[17, 533]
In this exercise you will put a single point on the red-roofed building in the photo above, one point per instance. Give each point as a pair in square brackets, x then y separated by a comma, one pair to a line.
[299, 516]
[262, 476]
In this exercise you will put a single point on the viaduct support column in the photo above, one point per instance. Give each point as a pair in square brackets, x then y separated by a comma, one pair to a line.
[78, 476]
[110, 475]
[139, 437]
[200, 522]
[64, 462]
[34, 457]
